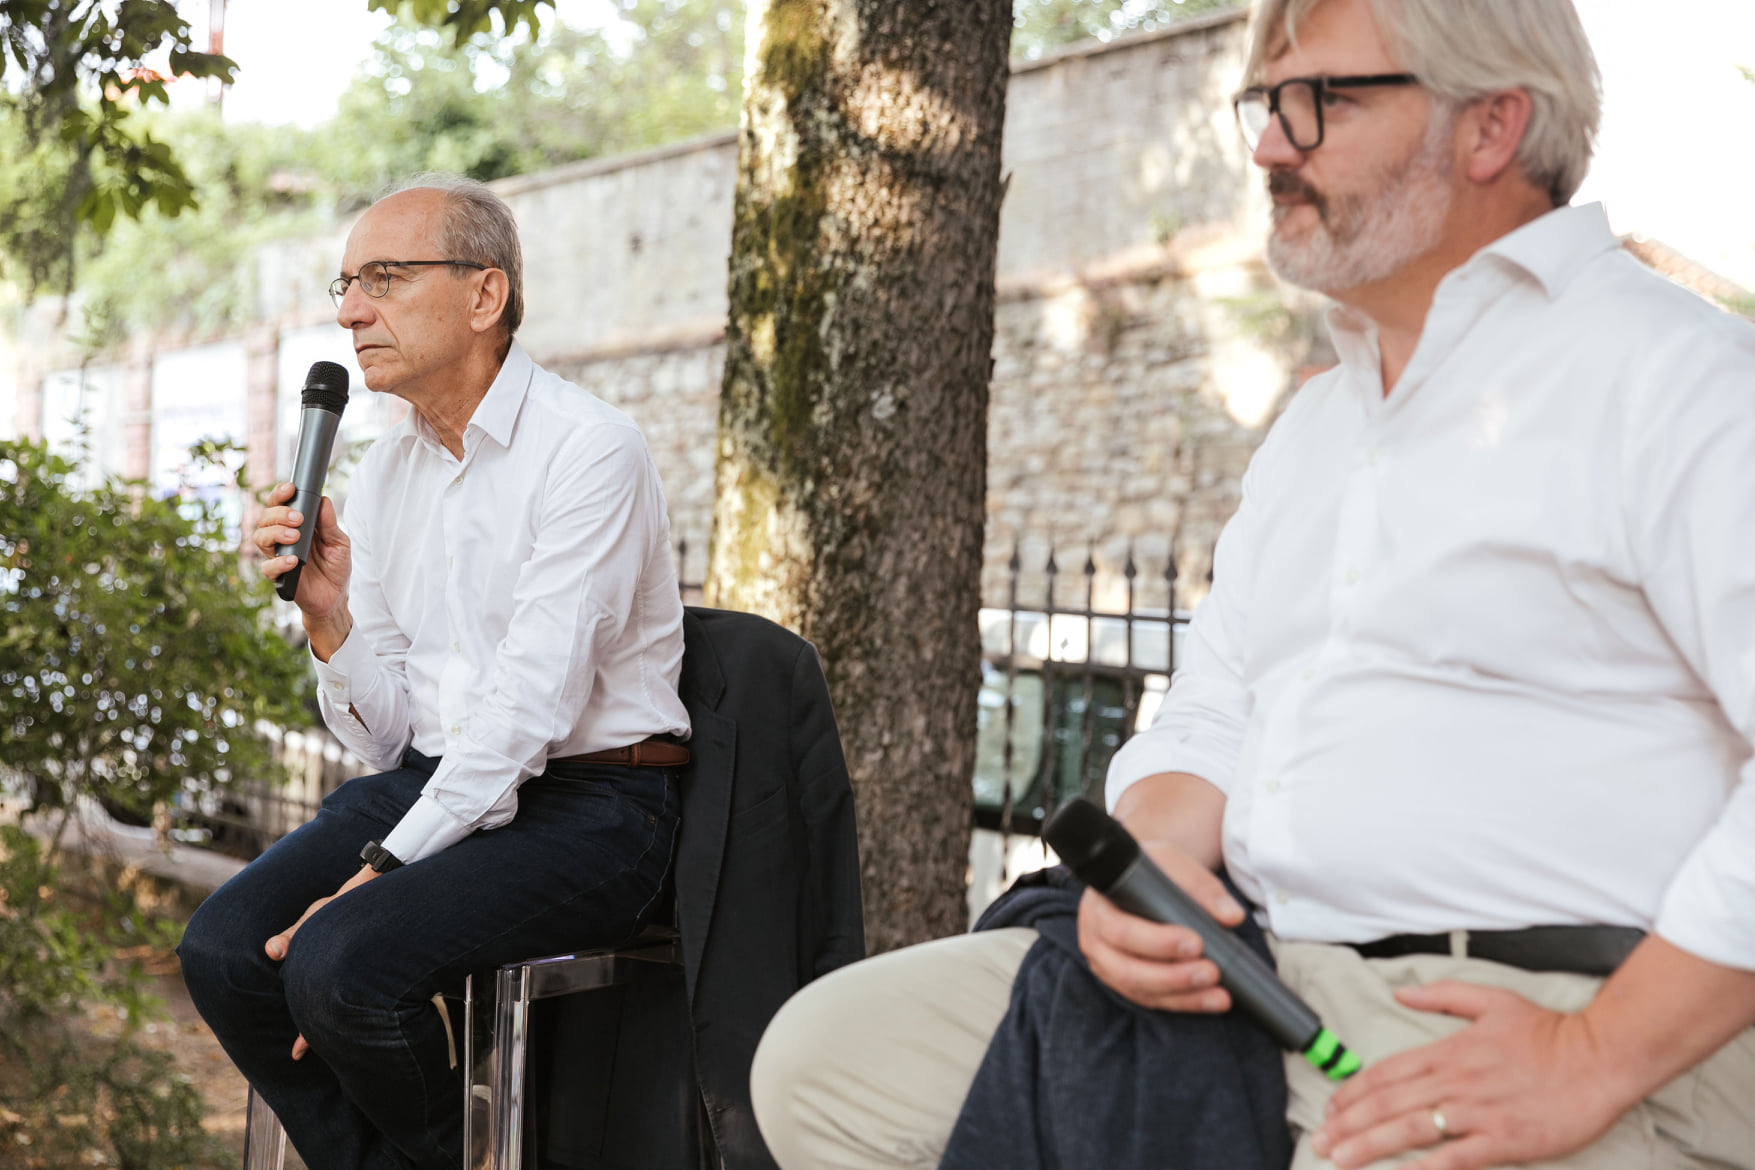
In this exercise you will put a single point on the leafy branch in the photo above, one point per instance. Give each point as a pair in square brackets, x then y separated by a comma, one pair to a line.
[72, 72]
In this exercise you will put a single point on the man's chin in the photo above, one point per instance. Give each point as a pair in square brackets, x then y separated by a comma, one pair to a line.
[375, 372]
[1293, 261]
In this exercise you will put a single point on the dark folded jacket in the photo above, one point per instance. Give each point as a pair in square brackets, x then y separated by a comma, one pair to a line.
[1078, 1078]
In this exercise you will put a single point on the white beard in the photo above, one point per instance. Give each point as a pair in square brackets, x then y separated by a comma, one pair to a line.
[1362, 239]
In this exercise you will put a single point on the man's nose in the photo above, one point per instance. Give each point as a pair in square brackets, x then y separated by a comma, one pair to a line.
[1275, 149]
[355, 307]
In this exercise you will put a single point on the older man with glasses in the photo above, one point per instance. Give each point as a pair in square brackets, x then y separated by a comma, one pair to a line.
[498, 630]
[1467, 716]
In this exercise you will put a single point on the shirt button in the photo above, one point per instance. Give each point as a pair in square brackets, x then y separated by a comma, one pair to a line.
[1371, 456]
[1273, 787]
[456, 647]
[458, 480]
[1352, 576]
[456, 729]
[1282, 897]
[1309, 673]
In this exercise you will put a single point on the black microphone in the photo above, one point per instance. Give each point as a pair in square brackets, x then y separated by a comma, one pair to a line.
[1104, 855]
[324, 399]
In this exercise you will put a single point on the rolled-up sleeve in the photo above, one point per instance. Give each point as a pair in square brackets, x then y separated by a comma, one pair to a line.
[1690, 500]
[1199, 727]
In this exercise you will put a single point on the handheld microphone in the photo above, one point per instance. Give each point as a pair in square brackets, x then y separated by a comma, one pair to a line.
[324, 398]
[1105, 857]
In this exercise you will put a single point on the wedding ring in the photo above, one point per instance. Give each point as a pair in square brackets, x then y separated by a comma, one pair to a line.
[1441, 1125]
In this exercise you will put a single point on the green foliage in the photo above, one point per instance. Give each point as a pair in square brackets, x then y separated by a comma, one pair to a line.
[1042, 26]
[469, 17]
[490, 106]
[189, 270]
[71, 72]
[69, 1097]
[136, 653]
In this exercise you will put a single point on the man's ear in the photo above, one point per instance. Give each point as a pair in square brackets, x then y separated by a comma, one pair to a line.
[1494, 129]
[487, 303]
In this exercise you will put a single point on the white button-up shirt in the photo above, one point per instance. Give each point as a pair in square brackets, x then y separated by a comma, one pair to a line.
[514, 604]
[1481, 654]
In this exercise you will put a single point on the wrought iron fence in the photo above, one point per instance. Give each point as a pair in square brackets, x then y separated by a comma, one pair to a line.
[1064, 685]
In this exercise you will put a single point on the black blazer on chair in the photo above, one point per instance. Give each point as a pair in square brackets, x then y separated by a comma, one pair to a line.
[767, 862]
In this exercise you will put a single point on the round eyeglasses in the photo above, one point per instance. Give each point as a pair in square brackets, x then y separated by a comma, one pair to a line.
[374, 275]
[1299, 103]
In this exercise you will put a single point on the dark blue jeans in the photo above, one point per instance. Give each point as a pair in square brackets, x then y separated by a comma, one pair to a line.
[581, 865]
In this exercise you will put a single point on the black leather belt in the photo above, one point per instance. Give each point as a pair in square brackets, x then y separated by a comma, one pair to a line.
[1581, 950]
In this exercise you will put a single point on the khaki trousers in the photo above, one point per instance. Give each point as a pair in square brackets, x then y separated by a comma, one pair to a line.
[867, 1068]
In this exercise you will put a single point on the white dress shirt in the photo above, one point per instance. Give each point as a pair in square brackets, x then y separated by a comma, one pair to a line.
[514, 604]
[1481, 654]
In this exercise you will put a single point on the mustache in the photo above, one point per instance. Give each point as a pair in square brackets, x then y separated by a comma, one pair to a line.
[1285, 183]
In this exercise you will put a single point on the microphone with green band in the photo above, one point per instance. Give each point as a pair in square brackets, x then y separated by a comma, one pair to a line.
[1104, 856]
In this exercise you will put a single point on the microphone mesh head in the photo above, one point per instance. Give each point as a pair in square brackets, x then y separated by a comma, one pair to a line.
[326, 387]
[1091, 843]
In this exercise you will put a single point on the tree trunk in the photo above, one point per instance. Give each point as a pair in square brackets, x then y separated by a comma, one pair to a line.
[852, 459]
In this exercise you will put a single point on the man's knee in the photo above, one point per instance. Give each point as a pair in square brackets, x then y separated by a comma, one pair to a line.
[799, 1044]
[331, 985]
[218, 962]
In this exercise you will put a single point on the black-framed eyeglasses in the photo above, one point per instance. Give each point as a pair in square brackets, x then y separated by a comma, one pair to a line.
[1299, 102]
[374, 275]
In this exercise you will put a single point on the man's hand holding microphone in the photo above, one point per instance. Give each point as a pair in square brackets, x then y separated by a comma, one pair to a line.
[322, 584]
[299, 528]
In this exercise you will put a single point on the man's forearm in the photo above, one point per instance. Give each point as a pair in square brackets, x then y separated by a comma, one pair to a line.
[1178, 807]
[1663, 1012]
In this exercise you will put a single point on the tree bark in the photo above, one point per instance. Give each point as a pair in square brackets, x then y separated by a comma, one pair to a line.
[852, 458]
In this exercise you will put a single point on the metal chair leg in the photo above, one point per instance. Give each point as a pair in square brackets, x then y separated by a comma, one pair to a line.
[474, 1133]
[501, 1139]
[511, 1043]
[264, 1139]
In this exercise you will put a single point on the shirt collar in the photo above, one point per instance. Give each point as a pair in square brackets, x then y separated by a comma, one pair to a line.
[1553, 248]
[496, 415]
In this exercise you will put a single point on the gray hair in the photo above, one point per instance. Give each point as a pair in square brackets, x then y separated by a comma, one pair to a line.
[1462, 50]
[479, 228]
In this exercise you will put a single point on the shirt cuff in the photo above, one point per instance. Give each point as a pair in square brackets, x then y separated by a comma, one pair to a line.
[1158, 750]
[425, 829]
[352, 660]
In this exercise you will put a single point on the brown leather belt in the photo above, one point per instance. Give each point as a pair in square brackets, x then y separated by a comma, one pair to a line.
[650, 753]
[1581, 950]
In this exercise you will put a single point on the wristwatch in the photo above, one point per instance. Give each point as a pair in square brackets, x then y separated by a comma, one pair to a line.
[379, 858]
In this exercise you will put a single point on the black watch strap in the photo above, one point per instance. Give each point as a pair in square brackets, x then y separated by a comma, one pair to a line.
[378, 857]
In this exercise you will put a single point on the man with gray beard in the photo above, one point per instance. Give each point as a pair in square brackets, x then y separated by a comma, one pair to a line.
[1467, 716]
